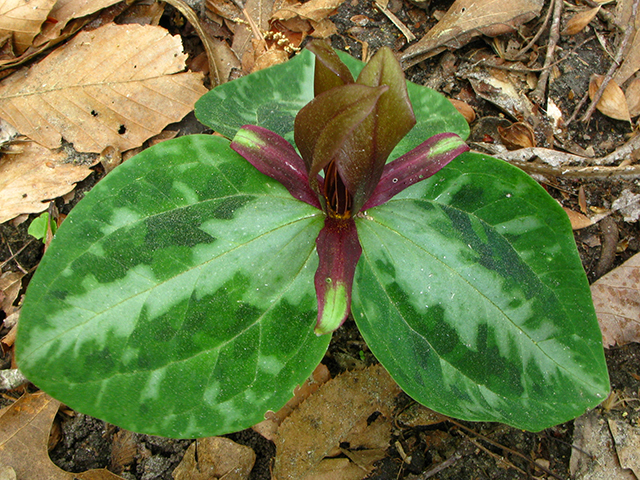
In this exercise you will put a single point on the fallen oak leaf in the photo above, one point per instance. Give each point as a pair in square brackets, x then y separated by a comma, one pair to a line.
[24, 435]
[117, 85]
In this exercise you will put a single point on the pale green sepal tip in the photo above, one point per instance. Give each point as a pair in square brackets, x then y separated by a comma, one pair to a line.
[248, 139]
[445, 145]
[334, 311]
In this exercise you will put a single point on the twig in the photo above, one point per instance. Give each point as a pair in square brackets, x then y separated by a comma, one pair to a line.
[14, 255]
[458, 454]
[603, 14]
[496, 444]
[487, 63]
[382, 6]
[538, 33]
[556, 158]
[554, 34]
[628, 30]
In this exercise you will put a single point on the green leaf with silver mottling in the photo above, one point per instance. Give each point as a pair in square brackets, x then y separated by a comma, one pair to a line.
[471, 293]
[177, 298]
[271, 98]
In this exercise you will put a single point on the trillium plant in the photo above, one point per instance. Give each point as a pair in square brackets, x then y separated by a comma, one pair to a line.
[198, 284]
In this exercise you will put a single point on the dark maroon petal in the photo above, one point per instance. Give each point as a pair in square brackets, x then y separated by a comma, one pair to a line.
[414, 166]
[326, 126]
[338, 252]
[329, 71]
[274, 156]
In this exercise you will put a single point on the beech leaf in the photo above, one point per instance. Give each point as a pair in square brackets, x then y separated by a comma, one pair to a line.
[616, 298]
[23, 19]
[117, 85]
[32, 177]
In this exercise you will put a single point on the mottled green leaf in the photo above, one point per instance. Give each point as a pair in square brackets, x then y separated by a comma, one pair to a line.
[177, 298]
[471, 293]
[271, 98]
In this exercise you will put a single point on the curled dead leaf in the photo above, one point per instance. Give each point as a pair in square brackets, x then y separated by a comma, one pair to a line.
[613, 102]
[465, 110]
[22, 20]
[517, 135]
[580, 20]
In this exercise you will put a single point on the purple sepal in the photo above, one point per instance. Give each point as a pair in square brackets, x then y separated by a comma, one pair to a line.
[274, 156]
[420, 163]
[338, 251]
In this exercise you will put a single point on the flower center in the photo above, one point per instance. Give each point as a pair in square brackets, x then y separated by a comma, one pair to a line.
[339, 200]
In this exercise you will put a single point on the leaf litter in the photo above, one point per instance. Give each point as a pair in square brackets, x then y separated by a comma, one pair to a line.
[462, 23]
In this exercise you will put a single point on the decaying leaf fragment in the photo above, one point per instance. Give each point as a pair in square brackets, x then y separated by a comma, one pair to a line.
[467, 19]
[325, 419]
[612, 103]
[30, 178]
[117, 85]
[215, 457]
[616, 297]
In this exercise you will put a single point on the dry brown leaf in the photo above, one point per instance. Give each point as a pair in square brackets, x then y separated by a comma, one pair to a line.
[627, 440]
[633, 97]
[593, 457]
[616, 297]
[117, 85]
[24, 435]
[35, 176]
[23, 19]
[10, 285]
[578, 220]
[66, 10]
[464, 109]
[612, 103]
[467, 19]
[580, 20]
[313, 10]
[259, 11]
[268, 427]
[216, 457]
[517, 135]
[500, 88]
[325, 419]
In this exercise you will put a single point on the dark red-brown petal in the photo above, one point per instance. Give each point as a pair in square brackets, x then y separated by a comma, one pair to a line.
[329, 70]
[338, 252]
[274, 156]
[414, 166]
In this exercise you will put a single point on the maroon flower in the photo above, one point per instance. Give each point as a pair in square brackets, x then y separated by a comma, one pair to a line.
[347, 131]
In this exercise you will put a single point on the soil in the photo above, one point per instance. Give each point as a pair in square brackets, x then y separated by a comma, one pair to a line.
[467, 450]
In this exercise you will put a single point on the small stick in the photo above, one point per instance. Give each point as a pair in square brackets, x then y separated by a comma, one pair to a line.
[614, 66]
[395, 20]
[554, 34]
[538, 33]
